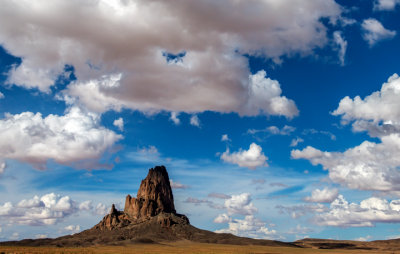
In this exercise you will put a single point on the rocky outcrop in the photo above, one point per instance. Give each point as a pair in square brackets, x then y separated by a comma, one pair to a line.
[148, 218]
[115, 219]
[154, 196]
[154, 199]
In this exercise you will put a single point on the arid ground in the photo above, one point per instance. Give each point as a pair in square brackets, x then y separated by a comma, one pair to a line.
[186, 247]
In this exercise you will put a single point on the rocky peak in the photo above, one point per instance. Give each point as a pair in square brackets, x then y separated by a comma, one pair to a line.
[113, 220]
[154, 196]
[113, 210]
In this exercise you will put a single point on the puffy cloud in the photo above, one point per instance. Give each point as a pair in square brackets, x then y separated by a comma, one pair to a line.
[46, 210]
[342, 46]
[86, 206]
[369, 166]
[72, 228]
[195, 121]
[366, 214]
[247, 227]
[68, 139]
[380, 106]
[1, 95]
[265, 97]
[33, 202]
[174, 118]
[6, 209]
[240, 204]
[177, 185]
[90, 93]
[296, 141]
[252, 158]
[101, 209]
[119, 123]
[325, 195]
[234, 205]
[374, 31]
[385, 5]
[164, 69]
[222, 218]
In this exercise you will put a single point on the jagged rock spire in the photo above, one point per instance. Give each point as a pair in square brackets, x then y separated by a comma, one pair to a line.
[154, 196]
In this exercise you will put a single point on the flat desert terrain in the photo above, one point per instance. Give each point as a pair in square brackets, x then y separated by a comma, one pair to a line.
[185, 247]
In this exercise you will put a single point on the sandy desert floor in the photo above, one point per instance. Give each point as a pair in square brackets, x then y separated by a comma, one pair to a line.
[182, 247]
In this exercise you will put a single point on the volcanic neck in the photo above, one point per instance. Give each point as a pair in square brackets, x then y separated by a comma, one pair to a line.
[154, 196]
[154, 201]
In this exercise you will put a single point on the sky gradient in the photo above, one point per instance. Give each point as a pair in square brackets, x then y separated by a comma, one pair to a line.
[276, 119]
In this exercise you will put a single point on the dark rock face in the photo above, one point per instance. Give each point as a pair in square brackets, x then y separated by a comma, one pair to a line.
[115, 219]
[154, 196]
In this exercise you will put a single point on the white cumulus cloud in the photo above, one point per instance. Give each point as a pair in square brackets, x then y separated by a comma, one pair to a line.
[86, 205]
[381, 106]
[325, 195]
[385, 5]
[164, 69]
[101, 209]
[374, 31]
[72, 228]
[248, 227]
[222, 218]
[48, 209]
[252, 158]
[67, 139]
[119, 123]
[370, 165]
[240, 204]
[366, 214]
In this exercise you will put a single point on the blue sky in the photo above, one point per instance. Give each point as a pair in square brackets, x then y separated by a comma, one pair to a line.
[275, 119]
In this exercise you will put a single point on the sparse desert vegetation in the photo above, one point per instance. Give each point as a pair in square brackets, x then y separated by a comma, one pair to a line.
[185, 247]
